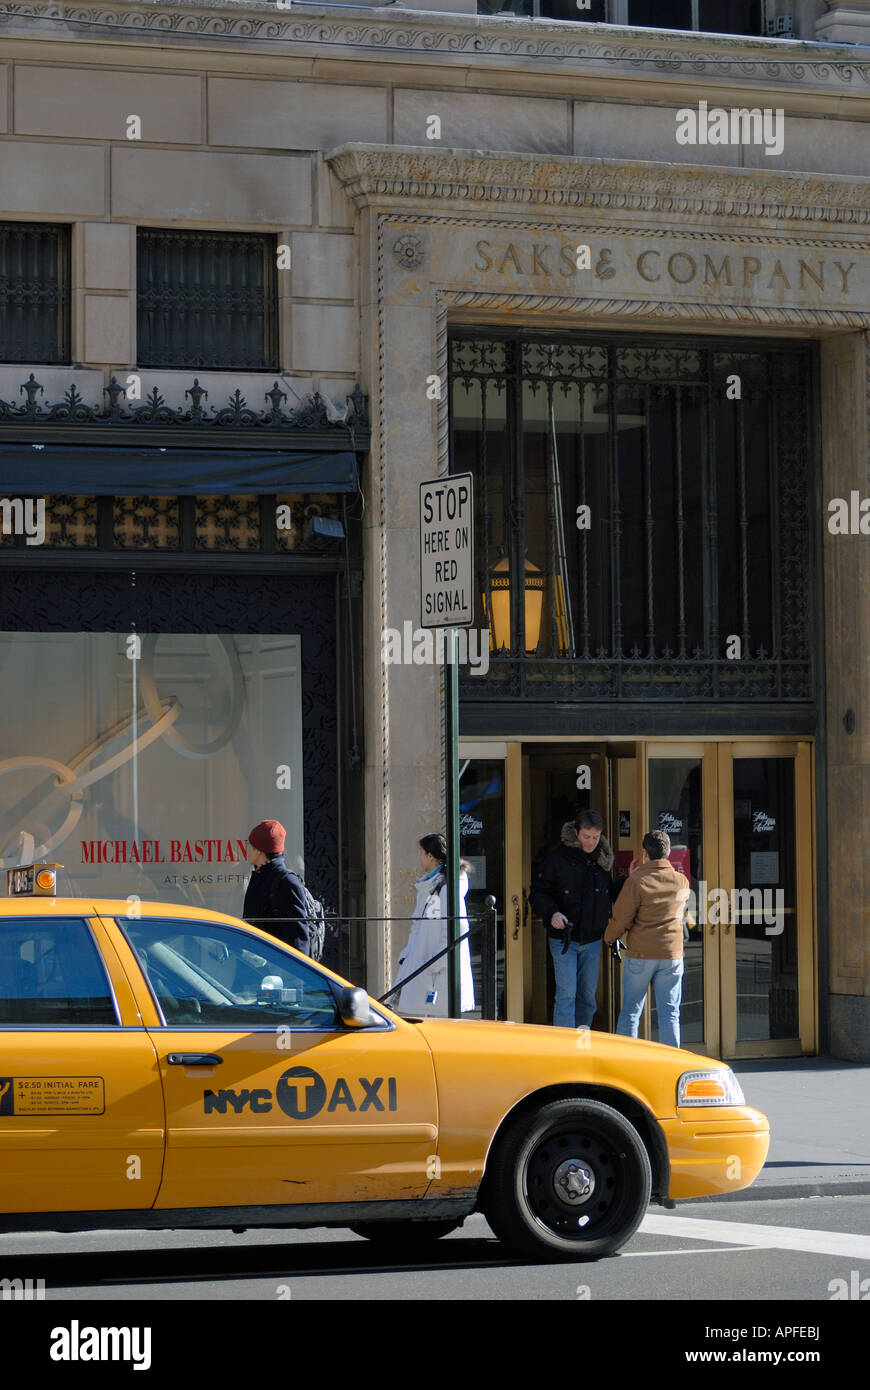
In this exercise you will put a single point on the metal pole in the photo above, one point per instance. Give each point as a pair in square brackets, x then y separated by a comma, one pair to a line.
[451, 782]
[489, 960]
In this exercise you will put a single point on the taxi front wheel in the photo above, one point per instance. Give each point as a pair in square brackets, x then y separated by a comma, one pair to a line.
[570, 1181]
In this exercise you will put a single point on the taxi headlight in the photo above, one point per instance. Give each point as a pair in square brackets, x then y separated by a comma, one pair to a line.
[714, 1087]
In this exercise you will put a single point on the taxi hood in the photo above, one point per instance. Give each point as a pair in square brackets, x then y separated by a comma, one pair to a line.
[516, 1059]
[482, 1036]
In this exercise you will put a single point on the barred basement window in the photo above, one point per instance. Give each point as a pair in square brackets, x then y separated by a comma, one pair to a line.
[34, 292]
[207, 300]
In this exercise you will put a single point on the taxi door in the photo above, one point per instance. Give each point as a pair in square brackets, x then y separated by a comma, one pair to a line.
[81, 1105]
[269, 1098]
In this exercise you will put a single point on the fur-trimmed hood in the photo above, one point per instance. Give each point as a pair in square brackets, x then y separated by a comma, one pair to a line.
[605, 855]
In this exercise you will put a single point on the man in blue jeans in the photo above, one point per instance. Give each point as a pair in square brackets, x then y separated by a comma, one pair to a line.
[650, 910]
[573, 894]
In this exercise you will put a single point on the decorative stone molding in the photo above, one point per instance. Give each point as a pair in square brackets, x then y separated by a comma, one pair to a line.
[384, 176]
[408, 251]
[391, 31]
[670, 311]
[313, 422]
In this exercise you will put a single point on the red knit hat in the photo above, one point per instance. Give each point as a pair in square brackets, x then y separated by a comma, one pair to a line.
[268, 836]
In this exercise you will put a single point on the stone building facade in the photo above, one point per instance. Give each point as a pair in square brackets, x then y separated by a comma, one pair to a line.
[436, 174]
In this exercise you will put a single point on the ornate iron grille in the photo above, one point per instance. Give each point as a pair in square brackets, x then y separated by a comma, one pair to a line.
[228, 523]
[189, 525]
[206, 300]
[34, 292]
[643, 517]
[146, 523]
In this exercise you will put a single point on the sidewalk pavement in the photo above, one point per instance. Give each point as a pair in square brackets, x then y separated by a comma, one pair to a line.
[819, 1114]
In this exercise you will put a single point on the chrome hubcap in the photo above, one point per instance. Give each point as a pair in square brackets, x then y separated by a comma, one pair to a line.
[574, 1181]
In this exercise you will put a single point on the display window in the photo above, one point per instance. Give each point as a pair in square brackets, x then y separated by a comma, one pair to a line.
[140, 761]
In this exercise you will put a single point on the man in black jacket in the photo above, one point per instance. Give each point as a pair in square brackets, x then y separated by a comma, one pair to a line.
[275, 899]
[573, 894]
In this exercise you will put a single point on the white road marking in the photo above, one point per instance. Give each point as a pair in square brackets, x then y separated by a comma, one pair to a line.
[713, 1250]
[855, 1247]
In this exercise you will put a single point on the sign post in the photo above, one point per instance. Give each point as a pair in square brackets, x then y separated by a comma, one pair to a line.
[447, 599]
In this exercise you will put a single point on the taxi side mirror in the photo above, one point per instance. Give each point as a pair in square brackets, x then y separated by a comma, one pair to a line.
[353, 1007]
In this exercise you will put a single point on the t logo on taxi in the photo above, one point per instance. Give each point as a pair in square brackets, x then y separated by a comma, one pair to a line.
[301, 1094]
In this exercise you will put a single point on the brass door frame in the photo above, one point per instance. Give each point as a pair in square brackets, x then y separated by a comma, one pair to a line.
[562, 756]
[720, 997]
[801, 751]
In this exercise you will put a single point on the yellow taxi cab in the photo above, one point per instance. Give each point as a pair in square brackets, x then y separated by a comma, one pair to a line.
[164, 1066]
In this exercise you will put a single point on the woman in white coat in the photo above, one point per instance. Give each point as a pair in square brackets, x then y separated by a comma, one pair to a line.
[427, 994]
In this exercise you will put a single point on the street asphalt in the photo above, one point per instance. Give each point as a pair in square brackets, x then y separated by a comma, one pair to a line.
[819, 1113]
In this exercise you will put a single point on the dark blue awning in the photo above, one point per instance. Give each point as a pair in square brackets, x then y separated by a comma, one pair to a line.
[83, 470]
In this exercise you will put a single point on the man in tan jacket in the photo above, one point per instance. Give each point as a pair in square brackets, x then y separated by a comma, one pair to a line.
[650, 910]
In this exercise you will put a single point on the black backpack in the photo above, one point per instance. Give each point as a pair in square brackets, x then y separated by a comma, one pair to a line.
[315, 920]
[316, 925]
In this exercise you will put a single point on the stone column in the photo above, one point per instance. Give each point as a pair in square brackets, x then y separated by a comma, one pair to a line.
[845, 391]
[403, 703]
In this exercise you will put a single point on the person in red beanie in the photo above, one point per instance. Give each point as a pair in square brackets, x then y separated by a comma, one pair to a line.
[274, 898]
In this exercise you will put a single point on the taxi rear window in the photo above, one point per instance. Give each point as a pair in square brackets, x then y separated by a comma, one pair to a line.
[51, 973]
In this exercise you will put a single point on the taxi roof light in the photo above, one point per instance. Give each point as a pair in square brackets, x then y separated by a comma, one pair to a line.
[717, 1086]
[32, 880]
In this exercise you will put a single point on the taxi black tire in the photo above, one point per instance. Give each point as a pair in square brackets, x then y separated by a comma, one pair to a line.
[522, 1205]
[405, 1234]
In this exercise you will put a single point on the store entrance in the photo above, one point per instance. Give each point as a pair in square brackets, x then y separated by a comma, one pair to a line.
[736, 814]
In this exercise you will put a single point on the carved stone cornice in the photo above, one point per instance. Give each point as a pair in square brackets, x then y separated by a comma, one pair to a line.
[388, 177]
[668, 311]
[391, 33]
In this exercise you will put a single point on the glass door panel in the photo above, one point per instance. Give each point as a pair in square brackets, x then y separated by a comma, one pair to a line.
[768, 1005]
[676, 806]
[764, 900]
[482, 846]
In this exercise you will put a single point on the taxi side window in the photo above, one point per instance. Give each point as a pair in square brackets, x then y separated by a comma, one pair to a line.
[207, 975]
[51, 973]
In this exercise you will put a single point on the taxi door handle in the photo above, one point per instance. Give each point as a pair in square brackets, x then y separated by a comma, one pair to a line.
[193, 1059]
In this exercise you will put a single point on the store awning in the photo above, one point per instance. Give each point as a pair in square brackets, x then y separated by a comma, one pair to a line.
[84, 470]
